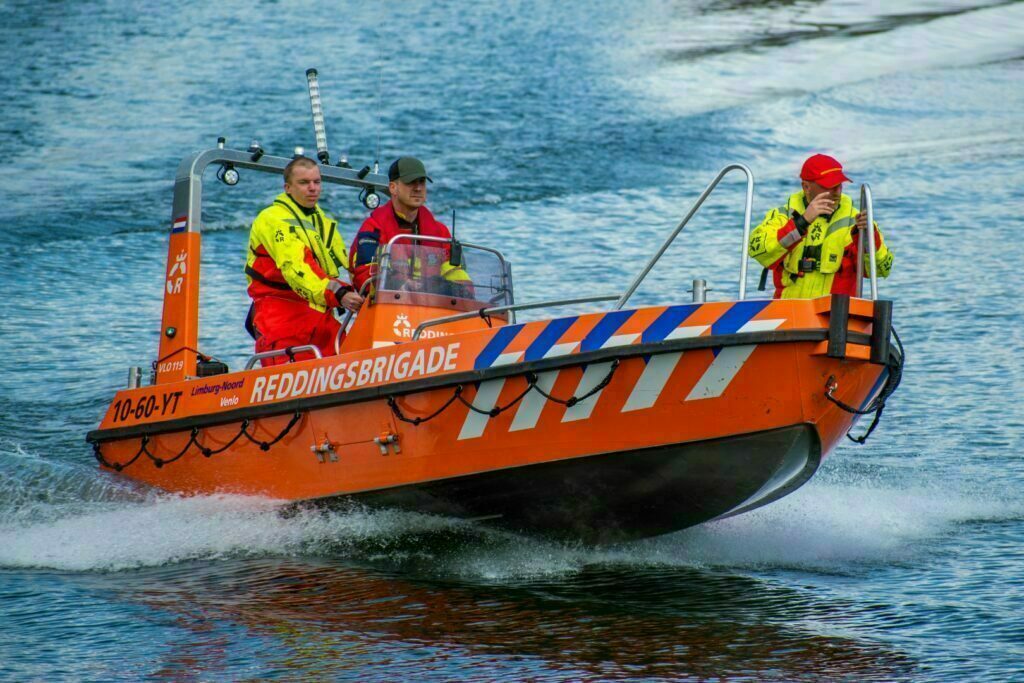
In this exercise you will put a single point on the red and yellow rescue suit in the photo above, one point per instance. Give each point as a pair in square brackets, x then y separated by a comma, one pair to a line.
[383, 225]
[820, 260]
[295, 258]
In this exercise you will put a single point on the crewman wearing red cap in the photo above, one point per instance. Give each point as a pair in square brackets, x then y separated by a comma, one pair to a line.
[810, 243]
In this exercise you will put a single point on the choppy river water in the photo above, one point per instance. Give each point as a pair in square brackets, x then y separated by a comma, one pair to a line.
[574, 136]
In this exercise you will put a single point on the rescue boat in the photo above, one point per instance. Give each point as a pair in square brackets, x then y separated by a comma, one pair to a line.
[611, 425]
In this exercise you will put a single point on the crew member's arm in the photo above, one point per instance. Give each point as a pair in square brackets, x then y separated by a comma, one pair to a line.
[775, 236]
[779, 232]
[346, 295]
[455, 273]
[883, 257]
[292, 256]
[363, 258]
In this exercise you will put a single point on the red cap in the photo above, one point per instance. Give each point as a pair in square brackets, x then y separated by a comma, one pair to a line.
[824, 170]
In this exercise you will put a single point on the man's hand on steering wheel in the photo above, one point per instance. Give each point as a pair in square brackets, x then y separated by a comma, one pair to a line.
[351, 301]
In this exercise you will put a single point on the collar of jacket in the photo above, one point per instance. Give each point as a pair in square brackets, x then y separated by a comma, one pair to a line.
[286, 198]
[384, 216]
[404, 224]
[308, 212]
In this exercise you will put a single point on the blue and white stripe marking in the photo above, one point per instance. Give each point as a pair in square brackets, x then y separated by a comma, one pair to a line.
[652, 381]
[544, 346]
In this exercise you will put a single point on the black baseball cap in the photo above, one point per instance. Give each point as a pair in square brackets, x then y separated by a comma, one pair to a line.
[408, 169]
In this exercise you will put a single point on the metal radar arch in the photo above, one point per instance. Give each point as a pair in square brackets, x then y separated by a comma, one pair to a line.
[179, 328]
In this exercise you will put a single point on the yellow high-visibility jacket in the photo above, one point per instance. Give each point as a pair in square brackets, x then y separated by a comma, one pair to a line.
[830, 245]
[295, 255]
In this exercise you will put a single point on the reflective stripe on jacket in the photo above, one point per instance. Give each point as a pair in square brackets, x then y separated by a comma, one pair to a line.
[295, 256]
[776, 244]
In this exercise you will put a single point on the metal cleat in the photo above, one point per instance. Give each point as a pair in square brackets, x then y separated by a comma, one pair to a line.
[324, 451]
[387, 439]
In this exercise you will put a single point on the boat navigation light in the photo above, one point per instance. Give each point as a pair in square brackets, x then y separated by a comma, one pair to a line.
[299, 152]
[221, 141]
[255, 150]
[369, 198]
[228, 174]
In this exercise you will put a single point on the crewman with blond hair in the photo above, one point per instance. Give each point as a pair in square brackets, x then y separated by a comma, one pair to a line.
[295, 265]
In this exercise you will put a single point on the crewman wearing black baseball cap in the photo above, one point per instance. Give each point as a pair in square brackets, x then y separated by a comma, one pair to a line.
[405, 214]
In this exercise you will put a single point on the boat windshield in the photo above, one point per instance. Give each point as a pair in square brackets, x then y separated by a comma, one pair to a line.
[483, 279]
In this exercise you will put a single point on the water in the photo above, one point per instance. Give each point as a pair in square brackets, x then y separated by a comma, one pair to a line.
[573, 137]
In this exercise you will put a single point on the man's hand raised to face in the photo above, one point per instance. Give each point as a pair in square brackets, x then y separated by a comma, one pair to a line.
[822, 205]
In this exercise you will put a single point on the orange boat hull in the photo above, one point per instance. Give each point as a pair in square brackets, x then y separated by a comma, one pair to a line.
[684, 414]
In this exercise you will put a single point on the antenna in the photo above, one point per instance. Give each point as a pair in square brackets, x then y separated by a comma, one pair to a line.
[318, 117]
[380, 89]
[455, 258]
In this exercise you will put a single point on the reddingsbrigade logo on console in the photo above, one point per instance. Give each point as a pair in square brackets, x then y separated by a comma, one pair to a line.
[403, 328]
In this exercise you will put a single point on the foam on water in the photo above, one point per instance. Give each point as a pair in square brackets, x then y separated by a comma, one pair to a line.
[834, 527]
[36, 489]
[828, 527]
[170, 529]
[823, 527]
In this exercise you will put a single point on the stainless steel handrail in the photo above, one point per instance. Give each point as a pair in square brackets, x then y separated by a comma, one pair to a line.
[867, 205]
[346, 321]
[283, 352]
[431, 238]
[386, 257]
[704, 195]
[484, 312]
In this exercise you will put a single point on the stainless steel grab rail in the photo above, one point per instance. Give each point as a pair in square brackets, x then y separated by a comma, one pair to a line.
[867, 205]
[484, 312]
[704, 195]
[283, 352]
[385, 261]
[347, 320]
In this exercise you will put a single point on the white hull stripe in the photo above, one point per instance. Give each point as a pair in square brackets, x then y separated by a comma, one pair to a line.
[728, 362]
[657, 371]
[592, 376]
[533, 403]
[486, 396]
[651, 383]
